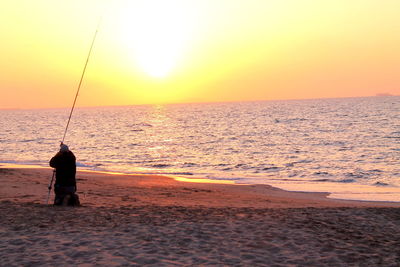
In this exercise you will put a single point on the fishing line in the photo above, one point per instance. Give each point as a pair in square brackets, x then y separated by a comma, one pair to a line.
[80, 81]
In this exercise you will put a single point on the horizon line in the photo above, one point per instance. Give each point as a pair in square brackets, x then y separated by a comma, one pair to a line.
[202, 102]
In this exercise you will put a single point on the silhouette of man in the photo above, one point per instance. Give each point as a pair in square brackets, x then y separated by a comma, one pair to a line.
[65, 186]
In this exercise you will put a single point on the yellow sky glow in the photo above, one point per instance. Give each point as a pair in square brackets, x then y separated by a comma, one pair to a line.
[173, 51]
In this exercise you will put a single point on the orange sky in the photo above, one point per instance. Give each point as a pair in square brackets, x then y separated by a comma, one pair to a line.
[151, 52]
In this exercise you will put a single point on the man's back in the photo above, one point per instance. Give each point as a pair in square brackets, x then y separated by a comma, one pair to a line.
[65, 165]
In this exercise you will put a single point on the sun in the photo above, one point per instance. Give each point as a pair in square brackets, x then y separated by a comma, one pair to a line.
[155, 34]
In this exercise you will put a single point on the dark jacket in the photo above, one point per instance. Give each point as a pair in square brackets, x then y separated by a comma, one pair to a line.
[65, 165]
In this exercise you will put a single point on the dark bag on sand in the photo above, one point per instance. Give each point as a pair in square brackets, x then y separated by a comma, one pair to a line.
[71, 199]
[66, 196]
[74, 200]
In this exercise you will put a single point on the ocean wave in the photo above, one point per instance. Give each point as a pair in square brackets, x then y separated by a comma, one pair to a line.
[347, 181]
[180, 173]
[323, 180]
[189, 164]
[141, 124]
[272, 169]
[356, 175]
[381, 184]
[327, 180]
[134, 144]
[160, 166]
[242, 166]
[83, 165]
[322, 173]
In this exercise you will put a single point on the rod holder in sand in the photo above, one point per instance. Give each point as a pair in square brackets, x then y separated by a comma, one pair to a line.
[50, 186]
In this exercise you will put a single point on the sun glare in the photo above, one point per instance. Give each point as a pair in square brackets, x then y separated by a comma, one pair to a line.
[155, 34]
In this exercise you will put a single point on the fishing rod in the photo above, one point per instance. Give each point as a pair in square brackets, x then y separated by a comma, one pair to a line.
[80, 81]
[73, 105]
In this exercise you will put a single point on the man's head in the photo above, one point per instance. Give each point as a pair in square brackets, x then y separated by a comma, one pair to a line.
[64, 148]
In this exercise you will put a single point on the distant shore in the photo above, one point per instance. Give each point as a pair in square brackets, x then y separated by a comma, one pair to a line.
[157, 221]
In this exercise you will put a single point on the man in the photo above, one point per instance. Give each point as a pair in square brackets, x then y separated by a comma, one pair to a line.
[65, 186]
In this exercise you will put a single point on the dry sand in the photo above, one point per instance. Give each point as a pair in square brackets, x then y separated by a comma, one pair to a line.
[138, 220]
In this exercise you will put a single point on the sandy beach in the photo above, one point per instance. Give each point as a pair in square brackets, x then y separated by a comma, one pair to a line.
[147, 220]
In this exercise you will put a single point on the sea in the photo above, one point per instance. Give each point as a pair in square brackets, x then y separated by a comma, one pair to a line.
[349, 147]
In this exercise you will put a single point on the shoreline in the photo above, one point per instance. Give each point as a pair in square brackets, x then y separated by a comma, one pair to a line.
[230, 192]
[335, 191]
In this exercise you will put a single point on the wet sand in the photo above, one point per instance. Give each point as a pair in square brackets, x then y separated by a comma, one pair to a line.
[147, 220]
